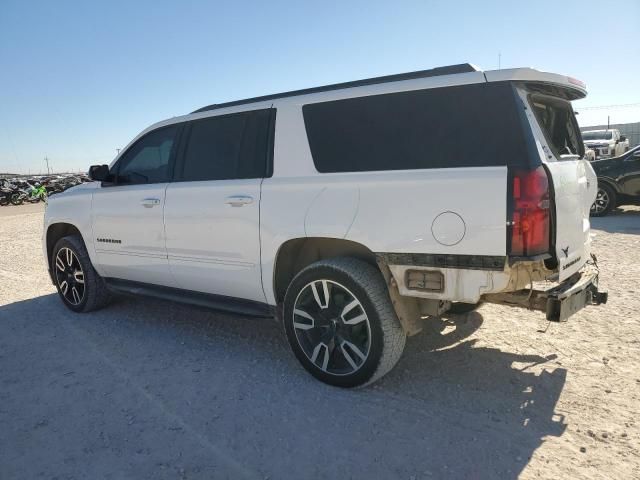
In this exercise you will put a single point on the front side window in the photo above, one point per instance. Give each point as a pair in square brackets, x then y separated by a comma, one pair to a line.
[228, 147]
[149, 159]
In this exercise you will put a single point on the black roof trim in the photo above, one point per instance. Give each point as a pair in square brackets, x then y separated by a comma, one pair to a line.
[433, 72]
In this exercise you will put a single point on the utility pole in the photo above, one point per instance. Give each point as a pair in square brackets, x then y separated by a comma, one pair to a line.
[46, 159]
[499, 59]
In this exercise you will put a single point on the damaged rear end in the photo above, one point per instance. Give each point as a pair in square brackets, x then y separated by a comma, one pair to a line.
[548, 227]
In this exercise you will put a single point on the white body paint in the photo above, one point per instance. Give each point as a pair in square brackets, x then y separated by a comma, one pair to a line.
[193, 239]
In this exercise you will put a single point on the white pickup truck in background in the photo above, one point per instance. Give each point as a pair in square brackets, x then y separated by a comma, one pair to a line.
[605, 143]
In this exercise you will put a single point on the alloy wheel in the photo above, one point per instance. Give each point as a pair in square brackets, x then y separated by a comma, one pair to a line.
[601, 202]
[69, 276]
[332, 327]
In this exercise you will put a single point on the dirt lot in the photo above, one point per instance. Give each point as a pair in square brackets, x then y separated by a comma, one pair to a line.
[146, 389]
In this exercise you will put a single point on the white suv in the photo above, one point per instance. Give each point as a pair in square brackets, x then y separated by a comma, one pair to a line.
[349, 212]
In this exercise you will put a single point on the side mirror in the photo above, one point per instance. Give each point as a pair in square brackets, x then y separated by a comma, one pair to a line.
[98, 173]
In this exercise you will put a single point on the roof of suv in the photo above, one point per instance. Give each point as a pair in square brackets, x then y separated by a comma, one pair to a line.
[575, 88]
[433, 72]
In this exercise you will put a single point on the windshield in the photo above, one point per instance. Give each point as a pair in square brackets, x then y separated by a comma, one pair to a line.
[597, 135]
[558, 122]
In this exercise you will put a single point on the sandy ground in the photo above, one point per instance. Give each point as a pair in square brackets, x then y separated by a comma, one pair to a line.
[146, 389]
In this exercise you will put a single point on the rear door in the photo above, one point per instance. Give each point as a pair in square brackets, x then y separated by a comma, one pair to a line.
[212, 213]
[574, 182]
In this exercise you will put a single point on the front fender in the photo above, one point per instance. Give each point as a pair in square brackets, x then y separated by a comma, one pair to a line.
[610, 182]
[72, 207]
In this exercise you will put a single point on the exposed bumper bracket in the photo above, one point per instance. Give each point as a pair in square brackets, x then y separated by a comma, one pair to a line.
[559, 302]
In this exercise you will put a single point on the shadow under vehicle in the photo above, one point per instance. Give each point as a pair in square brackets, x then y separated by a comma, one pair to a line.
[151, 387]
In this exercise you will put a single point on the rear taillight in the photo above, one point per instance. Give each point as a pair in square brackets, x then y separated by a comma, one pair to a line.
[530, 220]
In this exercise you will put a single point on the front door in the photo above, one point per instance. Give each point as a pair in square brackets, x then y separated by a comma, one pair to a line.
[127, 215]
[212, 213]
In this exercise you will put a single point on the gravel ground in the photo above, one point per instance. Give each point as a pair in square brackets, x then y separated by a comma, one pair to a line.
[147, 389]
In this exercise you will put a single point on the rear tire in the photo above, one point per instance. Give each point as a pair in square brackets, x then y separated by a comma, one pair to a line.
[79, 285]
[605, 201]
[344, 331]
[16, 199]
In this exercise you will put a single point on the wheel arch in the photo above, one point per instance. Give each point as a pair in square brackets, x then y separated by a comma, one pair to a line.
[297, 253]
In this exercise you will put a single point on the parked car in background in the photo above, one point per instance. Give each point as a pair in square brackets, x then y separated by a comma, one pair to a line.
[618, 182]
[605, 143]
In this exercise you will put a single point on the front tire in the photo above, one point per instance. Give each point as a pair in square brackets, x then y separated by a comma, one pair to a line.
[79, 285]
[341, 324]
[605, 201]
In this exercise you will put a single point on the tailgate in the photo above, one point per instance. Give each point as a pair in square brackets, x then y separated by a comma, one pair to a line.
[574, 182]
[574, 186]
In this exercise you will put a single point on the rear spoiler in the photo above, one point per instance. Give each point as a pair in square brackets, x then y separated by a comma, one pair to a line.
[571, 88]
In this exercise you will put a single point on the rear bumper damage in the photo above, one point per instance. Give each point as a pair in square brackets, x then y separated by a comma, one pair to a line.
[558, 302]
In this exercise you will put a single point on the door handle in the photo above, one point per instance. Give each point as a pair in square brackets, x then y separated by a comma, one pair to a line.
[150, 202]
[238, 200]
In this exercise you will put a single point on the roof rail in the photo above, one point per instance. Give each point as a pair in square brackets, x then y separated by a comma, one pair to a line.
[433, 72]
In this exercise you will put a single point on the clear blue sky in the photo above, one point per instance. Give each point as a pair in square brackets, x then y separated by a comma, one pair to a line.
[79, 79]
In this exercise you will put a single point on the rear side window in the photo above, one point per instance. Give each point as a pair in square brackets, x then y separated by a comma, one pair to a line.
[228, 147]
[465, 126]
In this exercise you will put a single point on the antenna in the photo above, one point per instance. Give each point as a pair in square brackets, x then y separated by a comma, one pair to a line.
[499, 59]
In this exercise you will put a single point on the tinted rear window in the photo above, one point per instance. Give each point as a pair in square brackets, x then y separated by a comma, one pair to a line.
[465, 126]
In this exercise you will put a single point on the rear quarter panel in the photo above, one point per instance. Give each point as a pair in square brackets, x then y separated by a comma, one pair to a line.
[387, 211]
[439, 211]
